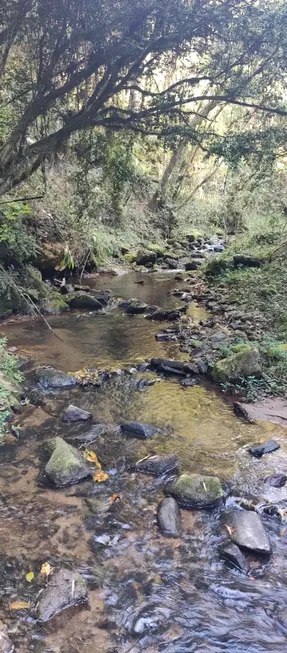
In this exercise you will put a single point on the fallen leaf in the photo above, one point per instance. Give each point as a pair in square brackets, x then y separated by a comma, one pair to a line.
[46, 569]
[283, 531]
[100, 476]
[251, 578]
[145, 458]
[30, 576]
[19, 605]
[92, 457]
[114, 497]
[229, 529]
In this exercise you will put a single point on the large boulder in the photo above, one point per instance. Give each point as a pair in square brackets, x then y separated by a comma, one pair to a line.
[158, 465]
[48, 377]
[168, 517]
[246, 530]
[136, 307]
[66, 465]
[84, 300]
[54, 304]
[196, 491]
[65, 589]
[138, 430]
[245, 362]
[247, 261]
[146, 257]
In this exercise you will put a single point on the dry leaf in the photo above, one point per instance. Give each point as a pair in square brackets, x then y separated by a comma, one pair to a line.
[19, 605]
[114, 497]
[100, 476]
[229, 529]
[283, 531]
[46, 569]
[30, 576]
[92, 457]
[251, 578]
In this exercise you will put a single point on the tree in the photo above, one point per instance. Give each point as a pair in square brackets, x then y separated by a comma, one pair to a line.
[66, 65]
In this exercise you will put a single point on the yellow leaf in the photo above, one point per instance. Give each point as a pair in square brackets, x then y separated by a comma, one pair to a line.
[92, 457]
[100, 476]
[114, 497]
[46, 569]
[19, 605]
[30, 576]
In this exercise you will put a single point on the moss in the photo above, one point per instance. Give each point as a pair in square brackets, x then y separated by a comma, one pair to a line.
[54, 304]
[245, 363]
[195, 490]
[130, 257]
[160, 250]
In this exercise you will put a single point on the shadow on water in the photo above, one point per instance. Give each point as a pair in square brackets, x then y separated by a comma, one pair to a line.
[147, 593]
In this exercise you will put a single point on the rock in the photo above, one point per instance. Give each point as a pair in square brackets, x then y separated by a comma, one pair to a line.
[136, 307]
[244, 363]
[143, 258]
[54, 304]
[65, 589]
[247, 261]
[196, 491]
[66, 465]
[192, 265]
[168, 517]
[6, 646]
[171, 263]
[232, 554]
[75, 414]
[216, 266]
[150, 618]
[49, 255]
[246, 530]
[188, 383]
[158, 465]
[138, 430]
[268, 410]
[262, 449]
[48, 377]
[276, 480]
[167, 364]
[103, 296]
[161, 315]
[93, 434]
[84, 300]
[180, 276]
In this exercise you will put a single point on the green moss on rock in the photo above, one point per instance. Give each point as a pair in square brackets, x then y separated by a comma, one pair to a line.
[246, 362]
[196, 491]
[66, 464]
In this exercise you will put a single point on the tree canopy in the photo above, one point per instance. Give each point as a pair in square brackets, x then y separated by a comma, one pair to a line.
[148, 66]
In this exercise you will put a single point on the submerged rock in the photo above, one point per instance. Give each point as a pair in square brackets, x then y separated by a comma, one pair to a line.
[276, 480]
[168, 517]
[138, 430]
[93, 434]
[150, 618]
[245, 362]
[272, 409]
[158, 465]
[246, 530]
[262, 449]
[48, 377]
[232, 554]
[196, 491]
[170, 366]
[161, 315]
[75, 414]
[65, 589]
[84, 300]
[66, 465]
[54, 304]
[6, 646]
[144, 258]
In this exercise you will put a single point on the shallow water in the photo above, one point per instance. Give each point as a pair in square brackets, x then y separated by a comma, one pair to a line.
[147, 592]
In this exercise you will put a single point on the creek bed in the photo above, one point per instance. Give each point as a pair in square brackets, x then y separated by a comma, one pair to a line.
[147, 593]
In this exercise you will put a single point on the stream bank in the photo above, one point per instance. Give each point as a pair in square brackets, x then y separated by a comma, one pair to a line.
[146, 592]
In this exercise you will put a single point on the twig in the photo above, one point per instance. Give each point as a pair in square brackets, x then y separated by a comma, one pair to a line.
[23, 199]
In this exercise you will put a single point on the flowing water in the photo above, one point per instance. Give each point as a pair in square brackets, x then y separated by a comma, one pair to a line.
[147, 593]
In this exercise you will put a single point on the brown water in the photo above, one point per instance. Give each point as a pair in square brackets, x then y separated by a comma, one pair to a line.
[177, 593]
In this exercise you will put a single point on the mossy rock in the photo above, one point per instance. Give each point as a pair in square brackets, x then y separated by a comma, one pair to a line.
[216, 266]
[277, 351]
[83, 300]
[196, 491]
[66, 464]
[160, 250]
[130, 257]
[244, 363]
[54, 304]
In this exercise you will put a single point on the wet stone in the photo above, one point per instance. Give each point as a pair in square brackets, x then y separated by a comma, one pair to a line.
[48, 377]
[6, 646]
[150, 618]
[158, 465]
[66, 465]
[138, 430]
[136, 307]
[75, 414]
[84, 300]
[234, 557]
[262, 449]
[276, 480]
[161, 315]
[96, 431]
[196, 491]
[168, 517]
[65, 589]
[246, 530]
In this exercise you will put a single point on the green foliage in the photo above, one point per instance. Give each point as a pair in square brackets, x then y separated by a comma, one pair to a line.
[18, 243]
[10, 377]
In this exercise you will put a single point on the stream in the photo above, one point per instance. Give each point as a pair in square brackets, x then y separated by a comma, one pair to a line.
[147, 593]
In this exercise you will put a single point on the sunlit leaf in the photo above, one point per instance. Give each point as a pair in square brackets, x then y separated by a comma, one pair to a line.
[92, 457]
[30, 576]
[100, 476]
[19, 605]
[46, 569]
[114, 497]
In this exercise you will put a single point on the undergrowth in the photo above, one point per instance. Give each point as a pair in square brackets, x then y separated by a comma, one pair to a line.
[10, 378]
